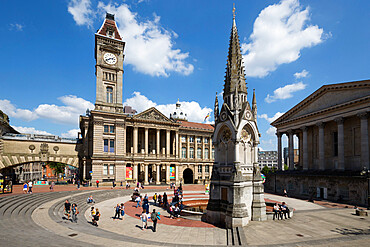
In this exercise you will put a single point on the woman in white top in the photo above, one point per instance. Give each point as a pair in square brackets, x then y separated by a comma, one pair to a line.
[144, 220]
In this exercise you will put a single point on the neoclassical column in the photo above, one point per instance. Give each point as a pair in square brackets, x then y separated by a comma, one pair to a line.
[158, 143]
[364, 139]
[305, 147]
[195, 147]
[340, 124]
[177, 145]
[135, 172]
[135, 139]
[280, 157]
[167, 173]
[168, 143]
[321, 146]
[203, 148]
[146, 141]
[187, 147]
[177, 173]
[158, 174]
[291, 149]
[146, 174]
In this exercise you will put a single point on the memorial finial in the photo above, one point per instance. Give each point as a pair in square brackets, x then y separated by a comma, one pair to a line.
[233, 10]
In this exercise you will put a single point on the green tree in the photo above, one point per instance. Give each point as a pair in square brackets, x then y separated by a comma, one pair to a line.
[57, 167]
[286, 167]
[265, 170]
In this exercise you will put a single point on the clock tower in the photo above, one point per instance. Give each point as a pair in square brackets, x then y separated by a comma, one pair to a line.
[109, 56]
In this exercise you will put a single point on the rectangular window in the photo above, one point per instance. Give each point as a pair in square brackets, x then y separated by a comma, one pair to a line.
[111, 146]
[335, 144]
[106, 145]
[199, 153]
[206, 140]
[111, 169]
[199, 169]
[224, 194]
[106, 128]
[111, 129]
[206, 153]
[213, 153]
[191, 153]
[183, 153]
[183, 138]
[206, 168]
[199, 140]
[105, 169]
[191, 139]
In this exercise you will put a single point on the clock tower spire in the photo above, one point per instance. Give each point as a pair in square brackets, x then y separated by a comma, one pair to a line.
[109, 56]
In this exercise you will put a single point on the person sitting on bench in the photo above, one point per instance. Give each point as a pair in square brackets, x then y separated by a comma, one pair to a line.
[285, 211]
[277, 212]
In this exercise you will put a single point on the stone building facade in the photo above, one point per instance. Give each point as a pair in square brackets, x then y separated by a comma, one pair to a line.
[119, 145]
[332, 127]
[267, 158]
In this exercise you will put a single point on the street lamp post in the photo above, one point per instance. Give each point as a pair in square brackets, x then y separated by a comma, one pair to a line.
[366, 172]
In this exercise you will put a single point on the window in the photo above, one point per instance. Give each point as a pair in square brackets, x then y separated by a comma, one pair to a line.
[199, 140]
[111, 129]
[206, 168]
[191, 139]
[111, 146]
[199, 169]
[111, 169]
[106, 145]
[106, 128]
[206, 140]
[109, 95]
[183, 138]
[183, 153]
[110, 33]
[199, 153]
[206, 153]
[191, 153]
[213, 153]
[105, 169]
[335, 143]
[109, 76]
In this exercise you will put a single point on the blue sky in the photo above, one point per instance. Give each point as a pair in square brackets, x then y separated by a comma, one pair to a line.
[175, 49]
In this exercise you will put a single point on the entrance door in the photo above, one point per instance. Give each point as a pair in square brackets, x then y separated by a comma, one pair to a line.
[188, 176]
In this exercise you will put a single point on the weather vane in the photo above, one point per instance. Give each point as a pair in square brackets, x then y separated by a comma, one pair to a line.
[234, 10]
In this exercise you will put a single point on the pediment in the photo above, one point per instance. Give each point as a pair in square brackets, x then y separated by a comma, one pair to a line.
[152, 114]
[327, 97]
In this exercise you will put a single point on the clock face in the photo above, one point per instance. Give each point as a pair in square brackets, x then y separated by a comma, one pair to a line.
[110, 58]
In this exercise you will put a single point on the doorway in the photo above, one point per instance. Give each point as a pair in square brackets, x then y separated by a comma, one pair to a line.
[188, 176]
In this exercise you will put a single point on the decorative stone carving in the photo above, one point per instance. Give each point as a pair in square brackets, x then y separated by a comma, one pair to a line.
[32, 147]
[56, 149]
[44, 147]
[152, 115]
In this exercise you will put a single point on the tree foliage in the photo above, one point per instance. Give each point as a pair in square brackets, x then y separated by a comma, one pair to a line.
[57, 167]
[265, 170]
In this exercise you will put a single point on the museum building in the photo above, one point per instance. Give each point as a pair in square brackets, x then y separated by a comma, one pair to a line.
[333, 149]
[149, 147]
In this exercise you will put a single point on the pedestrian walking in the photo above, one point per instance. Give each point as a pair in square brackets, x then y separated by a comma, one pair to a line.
[155, 197]
[75, 212]
[144, 220]
[25, 188]
[97, 183]
[154, 216]
[138, 200]
[30, 187]
[52, 186]
[67, 209]
[123, 211]
[285, 193]
[78, 184]
[118, 212]
[96, 217]
[165, 200]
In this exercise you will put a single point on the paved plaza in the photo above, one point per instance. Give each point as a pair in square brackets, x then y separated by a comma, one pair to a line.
[37, 220]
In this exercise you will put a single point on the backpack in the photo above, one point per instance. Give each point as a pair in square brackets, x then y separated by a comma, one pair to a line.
[154, 216]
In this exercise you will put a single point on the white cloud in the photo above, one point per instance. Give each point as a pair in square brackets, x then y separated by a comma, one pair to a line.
[271, 119]
[81, 12]
[73, 133]
[279, 34]
[304, 73]
[149, 46]
[193, 110]
[269, 144]
[30, 130]
[271, 131]
[285, 92]
[16, 27]
[67, 114]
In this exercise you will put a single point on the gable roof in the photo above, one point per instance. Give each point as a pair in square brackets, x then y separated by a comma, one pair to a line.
[328, 97]
[193, 125]
[152, 114]
[109, 24]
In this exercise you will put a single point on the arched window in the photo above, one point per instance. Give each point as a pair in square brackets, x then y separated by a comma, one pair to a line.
[109, 95]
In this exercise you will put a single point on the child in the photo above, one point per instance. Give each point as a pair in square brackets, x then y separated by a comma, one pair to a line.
[144, 220]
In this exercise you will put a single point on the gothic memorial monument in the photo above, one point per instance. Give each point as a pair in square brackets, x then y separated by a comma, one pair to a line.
[237, 194]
